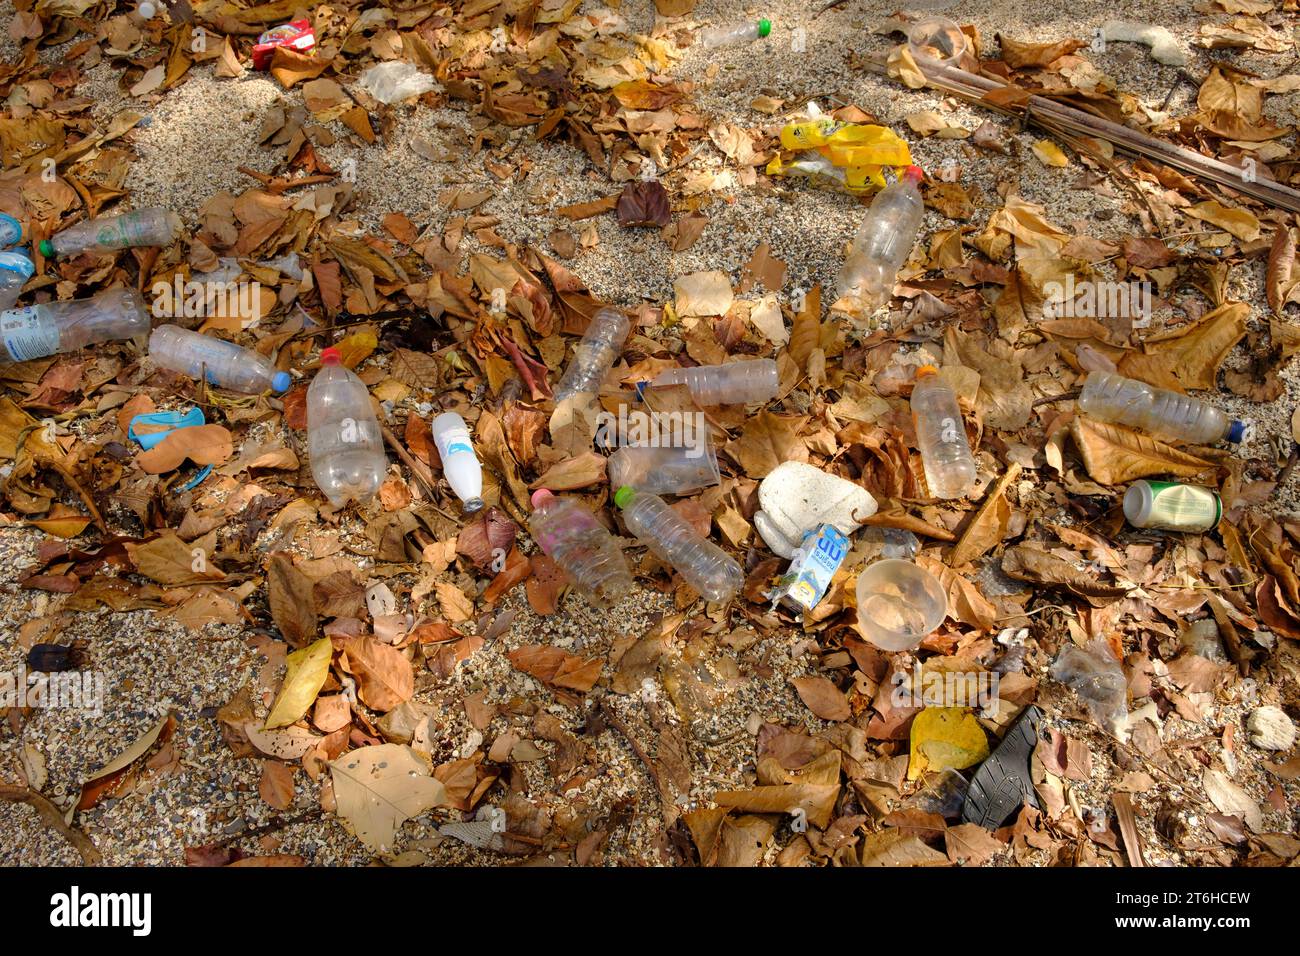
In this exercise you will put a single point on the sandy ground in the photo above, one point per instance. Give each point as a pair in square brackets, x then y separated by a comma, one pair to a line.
[196, 136]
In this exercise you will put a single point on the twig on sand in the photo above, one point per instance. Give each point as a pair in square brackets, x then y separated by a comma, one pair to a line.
[53, 818]
[637, 749]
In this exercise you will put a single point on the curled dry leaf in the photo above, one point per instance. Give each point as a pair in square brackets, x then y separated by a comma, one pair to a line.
[1114, 454]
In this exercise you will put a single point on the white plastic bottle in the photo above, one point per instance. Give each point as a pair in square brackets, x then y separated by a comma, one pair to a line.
[225, 364]
[730, 33]
[15, 270]
[596, 353]
[153, 226]
[736, 383]
[570, 535]
[40, 330]
[672, 539]
[945, 451]
[1158, 411]
[344, 440]
[883, 243]
[459, 463]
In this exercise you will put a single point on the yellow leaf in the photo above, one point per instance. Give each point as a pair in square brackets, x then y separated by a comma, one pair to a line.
[943, 738]
[305, 675]
[1050, 154]
[357, 347]
[1241, 223]
[62, 522]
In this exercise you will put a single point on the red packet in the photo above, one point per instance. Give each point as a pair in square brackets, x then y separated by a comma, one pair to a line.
[297, 35]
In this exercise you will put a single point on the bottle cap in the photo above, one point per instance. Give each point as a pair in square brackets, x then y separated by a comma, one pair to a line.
[914, 173]
[923, 370]
[624, 495]
[18, 262]
[281, 381]
[1239, 431]
[473, 506]
[764, 27]
[540, 497]
[330, 356]
[47, 250]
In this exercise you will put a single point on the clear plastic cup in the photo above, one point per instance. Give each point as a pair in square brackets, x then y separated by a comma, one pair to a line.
[936, 40]
[899, 604]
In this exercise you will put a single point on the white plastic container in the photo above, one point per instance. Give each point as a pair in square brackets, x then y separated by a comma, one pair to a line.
[460, 464]
[595, 354]
[1157, 411]
[795, 498]
[672, 539]
[883, 244]
[941, 437]
[899, 604]
[153, 226]
[39, 330]
[735, 383]
[344, 439]
[225, 364]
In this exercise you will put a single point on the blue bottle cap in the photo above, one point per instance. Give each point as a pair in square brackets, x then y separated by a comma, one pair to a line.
[1237, 431]
[16, 261]
[281, 381]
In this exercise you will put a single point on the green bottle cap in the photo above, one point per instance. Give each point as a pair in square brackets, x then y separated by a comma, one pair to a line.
[47, 250]
[624, 495]
[764, 27]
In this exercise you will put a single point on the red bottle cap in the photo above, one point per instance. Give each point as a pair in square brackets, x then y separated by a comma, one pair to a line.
[330, 356]
[914, 173]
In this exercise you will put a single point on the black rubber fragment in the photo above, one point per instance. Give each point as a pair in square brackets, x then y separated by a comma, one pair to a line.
[1002, 783]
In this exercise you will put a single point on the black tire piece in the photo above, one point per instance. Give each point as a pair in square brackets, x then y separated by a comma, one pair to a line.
[1002, 783]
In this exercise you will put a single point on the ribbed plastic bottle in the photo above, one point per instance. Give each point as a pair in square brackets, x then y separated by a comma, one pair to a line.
[15, 270]
[459, 463]
[225, 364]
[343, 435]
[153, 226]
[945, 451]
[736, 383]
[700, 562]
[571, 536]
[595, 354]
[39, 330]
[731, 33]
[883, 243]
[1158, 411]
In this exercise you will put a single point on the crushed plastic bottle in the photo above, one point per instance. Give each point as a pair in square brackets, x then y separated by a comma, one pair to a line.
[672, 539]
[1157, 411]
[344, 439]
[945, 451]
[732, 33]
[595, 354]
[587, 553]
[882, 244]
[15, 270]
[39, 330]
[1096, 676]
[736, 383]
[153, 226]
[460, 464]
[664, 471]
[225, 364]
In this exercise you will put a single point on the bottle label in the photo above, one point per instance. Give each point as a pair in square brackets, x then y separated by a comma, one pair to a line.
[26, 336]
[1176, 507]
[454, 441]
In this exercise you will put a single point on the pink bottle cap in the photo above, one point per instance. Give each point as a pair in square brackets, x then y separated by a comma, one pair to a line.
[540, 497]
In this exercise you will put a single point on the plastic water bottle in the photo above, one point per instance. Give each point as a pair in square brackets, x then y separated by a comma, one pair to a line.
[343, 434]
[1125, 401]
[225, 364]
[11, 230]
[596, 353]
[883, 243]
[730, 33]
[154, 226]
[941, 436]
[664, 470]
[736, 383]
[39, 330]
[459, 463]
[570, 535]
[672, 539]
[15, 270]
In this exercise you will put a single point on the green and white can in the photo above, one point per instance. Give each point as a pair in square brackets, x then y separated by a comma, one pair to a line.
[1170, 506]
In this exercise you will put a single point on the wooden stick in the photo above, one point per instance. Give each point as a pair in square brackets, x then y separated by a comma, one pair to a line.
[54, 819]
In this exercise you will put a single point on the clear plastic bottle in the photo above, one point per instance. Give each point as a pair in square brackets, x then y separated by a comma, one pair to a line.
[945, 451]
[729, 33]
[883, 243]
[153, 226]
[570, 535]
[343, 435]
[459, 463]
[40, 330]
[15, 270]
[1165, 414]
[596, 353]
[225, 364]
[661, 470]
[672, 539]
[736, 383]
